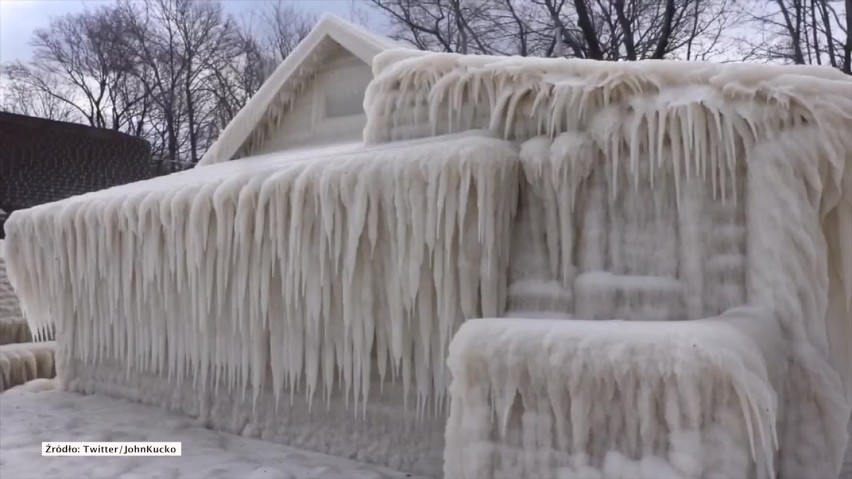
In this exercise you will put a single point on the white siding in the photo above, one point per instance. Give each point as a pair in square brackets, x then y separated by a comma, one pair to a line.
[329, 110]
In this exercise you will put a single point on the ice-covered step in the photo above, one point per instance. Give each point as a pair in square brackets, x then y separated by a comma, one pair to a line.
[24, 362]
[539, 295]
[603, 295]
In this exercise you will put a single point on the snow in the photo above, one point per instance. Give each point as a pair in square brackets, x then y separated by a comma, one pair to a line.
[35, 412]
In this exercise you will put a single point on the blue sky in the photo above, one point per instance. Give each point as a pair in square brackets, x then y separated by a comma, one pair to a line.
[19, 18]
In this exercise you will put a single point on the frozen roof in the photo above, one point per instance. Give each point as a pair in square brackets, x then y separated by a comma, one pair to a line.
[291, 76]
[521, 97]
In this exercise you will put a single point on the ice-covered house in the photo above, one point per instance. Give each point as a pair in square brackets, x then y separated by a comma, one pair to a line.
[662, 254]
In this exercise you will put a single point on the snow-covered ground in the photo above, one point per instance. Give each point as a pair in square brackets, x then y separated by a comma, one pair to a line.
[34, 413]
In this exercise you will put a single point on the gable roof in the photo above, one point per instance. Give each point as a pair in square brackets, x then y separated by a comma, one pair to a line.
[290, 76]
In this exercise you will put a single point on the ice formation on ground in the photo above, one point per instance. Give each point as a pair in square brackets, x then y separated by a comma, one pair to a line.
[24, 362]
[33, 413]
[646, 191]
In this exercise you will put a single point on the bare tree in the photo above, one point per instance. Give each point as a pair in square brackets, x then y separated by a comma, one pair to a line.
[266, 35]
[81, 61]
[813, 32]
[172, 71]
[48, 102]
[430, 24]
[275, 27]
[596, 29]
[234, 82]
[182, 49]
[283, 27]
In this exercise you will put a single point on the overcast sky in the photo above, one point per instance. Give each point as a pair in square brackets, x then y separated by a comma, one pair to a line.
[19, 18]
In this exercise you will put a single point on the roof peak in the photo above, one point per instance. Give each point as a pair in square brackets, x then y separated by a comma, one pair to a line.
[356, 39]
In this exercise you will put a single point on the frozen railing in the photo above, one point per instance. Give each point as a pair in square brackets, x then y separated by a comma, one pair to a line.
[612, 399]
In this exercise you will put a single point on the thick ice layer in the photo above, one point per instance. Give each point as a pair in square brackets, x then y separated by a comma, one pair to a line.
[689, 129]
[609, 399]
[320, 268]
[666, 190]
[418, 94]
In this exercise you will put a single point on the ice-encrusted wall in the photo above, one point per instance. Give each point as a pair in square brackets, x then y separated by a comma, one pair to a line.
[601, 242]
[316, 280]
[642, 191]
[784, 128]
[319, 267]
[664, 191]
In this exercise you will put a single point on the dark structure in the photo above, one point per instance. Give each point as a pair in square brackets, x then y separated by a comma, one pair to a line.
[45, 160]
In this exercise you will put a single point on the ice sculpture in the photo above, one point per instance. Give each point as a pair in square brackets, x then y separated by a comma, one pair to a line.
[311, 298]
